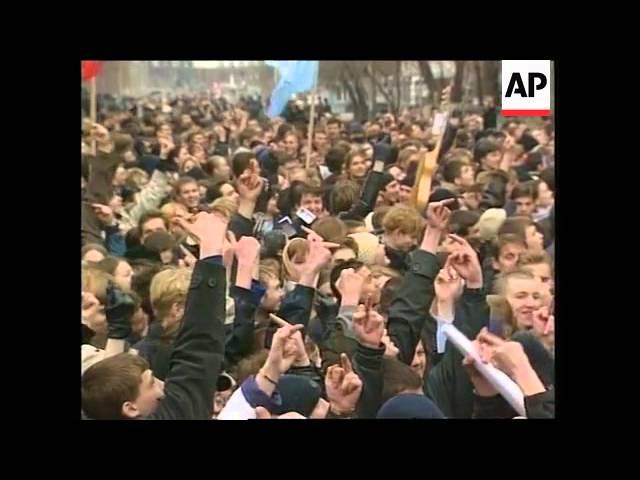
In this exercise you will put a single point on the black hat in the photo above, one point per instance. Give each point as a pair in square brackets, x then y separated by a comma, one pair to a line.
[387, 178]
[355, 129]
[444, 194]
[299, 394]
[273, 243]
[461, 221]
[196, 173]
[409, 405]
[159, 242]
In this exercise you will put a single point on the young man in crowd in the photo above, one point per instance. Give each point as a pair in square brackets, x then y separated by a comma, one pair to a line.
[525, 196]
[334, 128]
[187, 193]
[458, 176]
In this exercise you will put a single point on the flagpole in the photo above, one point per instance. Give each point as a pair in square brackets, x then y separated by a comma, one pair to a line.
[312, 114]
[93, 112]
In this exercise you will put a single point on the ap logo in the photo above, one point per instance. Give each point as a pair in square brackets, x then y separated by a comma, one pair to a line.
[526, 88]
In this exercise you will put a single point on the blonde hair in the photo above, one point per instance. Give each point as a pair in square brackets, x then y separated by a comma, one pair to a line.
[96, 281]
[313, 178]
[534, 258]
[168, 287]
[500, 288]
[402, 218]
[225, 207]
[268, 270]
[293, 248]
[461, 154]
[404, 156]
[138, 177]
[272, 264]
[170, 210]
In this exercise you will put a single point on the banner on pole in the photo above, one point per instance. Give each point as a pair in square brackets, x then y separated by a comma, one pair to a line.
[295, 76]
[91, 69]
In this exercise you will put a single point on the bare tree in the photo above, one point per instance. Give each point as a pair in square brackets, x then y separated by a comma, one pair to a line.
[491, 73]
[380, 71]
[479, 80]
[457, 90]
[334, 73]
[430, 80]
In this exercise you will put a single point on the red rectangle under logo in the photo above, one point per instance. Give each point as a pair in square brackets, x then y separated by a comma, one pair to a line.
[525, 113]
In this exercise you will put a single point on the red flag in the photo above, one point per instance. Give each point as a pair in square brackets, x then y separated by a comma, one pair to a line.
[90, 69]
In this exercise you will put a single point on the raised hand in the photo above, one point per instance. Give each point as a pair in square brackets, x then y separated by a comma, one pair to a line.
[302, 357]
[93, 312]
[228, 249]
[343, 387]
[482, 386]
[438, 214]
[311, 235]
[447, 284]
[319, 256]
[221, 132]
[100, 134]
[166, 145]
[249, 185]
[284, 348]
[209, 229]
[90, 305]
[247, 250]
[390, 349]
[465, 261]
[506, 355]
[544, 326]
[104, 213]
[350, 286]
[368, 326]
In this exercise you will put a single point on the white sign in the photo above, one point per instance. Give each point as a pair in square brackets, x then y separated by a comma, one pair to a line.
[526, 88]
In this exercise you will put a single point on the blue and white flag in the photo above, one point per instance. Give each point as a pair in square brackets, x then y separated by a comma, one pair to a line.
[295, 76]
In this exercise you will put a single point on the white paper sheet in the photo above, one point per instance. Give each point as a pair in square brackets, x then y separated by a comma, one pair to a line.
[497, 378]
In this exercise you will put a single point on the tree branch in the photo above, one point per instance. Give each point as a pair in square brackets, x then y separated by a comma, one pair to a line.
[385, 93]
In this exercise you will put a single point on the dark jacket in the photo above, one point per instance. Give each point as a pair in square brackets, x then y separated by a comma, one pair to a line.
[311, 372]
[540, 405]
[241, 226]
[327, 311]
[367, 363]
[99, 190]
[156, 350]
[334, 343]
[408, 311]
[239, 342]
[114, 241]
[398, 260]
[196, 359]
[448, 384]
[368, 197]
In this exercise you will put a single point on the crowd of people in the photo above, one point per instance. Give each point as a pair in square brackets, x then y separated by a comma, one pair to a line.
[230, 273]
